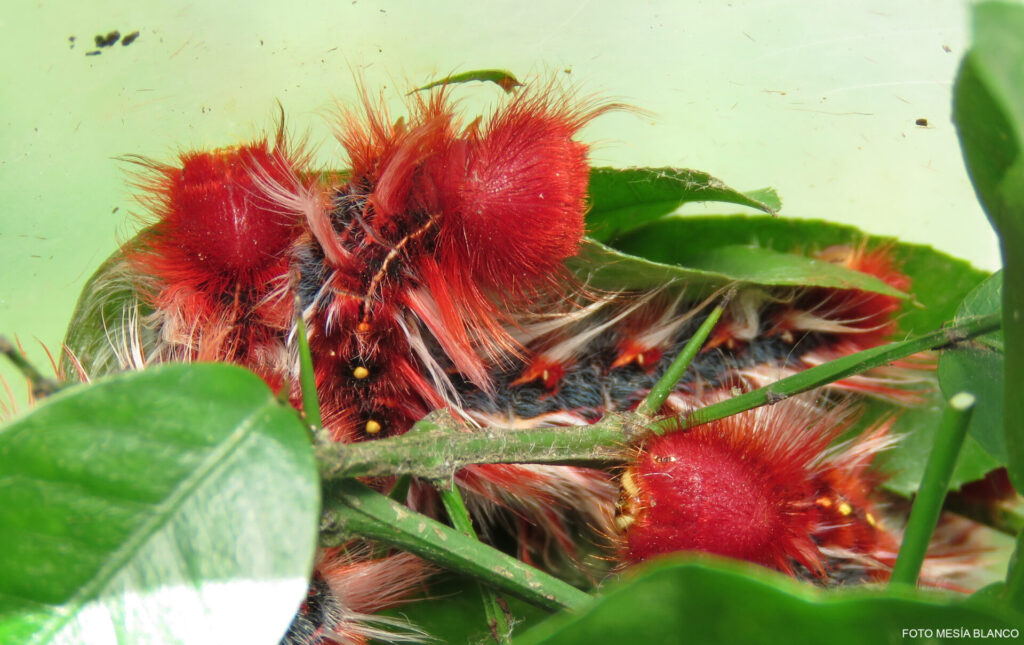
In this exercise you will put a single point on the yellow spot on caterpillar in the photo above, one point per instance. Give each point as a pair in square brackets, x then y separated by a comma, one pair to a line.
[870, 518]
[544, 376]
[372, 427]
[629, 484]
[360, 372]
[845, 509]
[363, 327]
[640, 359]
[823, 502]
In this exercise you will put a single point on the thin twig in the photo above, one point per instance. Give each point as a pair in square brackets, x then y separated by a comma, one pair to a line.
[41, 386]
[497, 619]
[669, 381]
[307, 377]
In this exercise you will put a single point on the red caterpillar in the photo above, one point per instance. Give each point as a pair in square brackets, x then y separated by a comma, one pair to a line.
[430, 275]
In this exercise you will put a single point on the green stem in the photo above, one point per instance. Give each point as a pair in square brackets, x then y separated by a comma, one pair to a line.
[41, 386]
[307, 377]
[1013, 331]
[668, 382]
[400, 491]
[836, 370]
[354, 510]
[924, 515]
[497, 619]
[438, 446]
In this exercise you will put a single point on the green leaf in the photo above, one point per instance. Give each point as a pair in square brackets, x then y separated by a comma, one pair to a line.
[977, 367]
[603, 267]
[102, 314]
[768, 197]
[756, 265]
[500, 77]
[455, 614]
[705, 600]
[622, 199]
[904, 463]
[939, 281]
[179, 504]
[1013, 591]
[988, 109]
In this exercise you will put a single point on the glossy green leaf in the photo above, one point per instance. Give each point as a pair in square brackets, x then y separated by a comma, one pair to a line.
[622, 199]
[977, 367]
[709, 601]
[988, 109]
[179, 504]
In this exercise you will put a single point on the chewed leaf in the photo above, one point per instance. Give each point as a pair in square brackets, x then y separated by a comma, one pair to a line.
[502, 78]
[179, 504]
[767, 196]
[623, 199]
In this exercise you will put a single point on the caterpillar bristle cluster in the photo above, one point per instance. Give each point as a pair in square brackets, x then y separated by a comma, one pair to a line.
[765, 486]
[214, 262]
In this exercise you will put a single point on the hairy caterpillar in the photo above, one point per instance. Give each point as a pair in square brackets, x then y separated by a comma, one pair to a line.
[431, 275]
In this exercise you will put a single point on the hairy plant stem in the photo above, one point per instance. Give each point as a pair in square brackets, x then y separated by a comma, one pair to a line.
[924, 515]
[439, 446]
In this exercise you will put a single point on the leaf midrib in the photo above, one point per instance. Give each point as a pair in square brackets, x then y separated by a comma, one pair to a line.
[159, 519]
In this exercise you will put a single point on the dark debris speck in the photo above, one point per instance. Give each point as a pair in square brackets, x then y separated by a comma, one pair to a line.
[109, 40]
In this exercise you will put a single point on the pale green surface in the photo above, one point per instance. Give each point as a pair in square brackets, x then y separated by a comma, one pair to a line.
[815, 98]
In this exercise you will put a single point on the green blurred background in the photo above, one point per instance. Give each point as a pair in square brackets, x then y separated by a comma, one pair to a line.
[816, 98]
